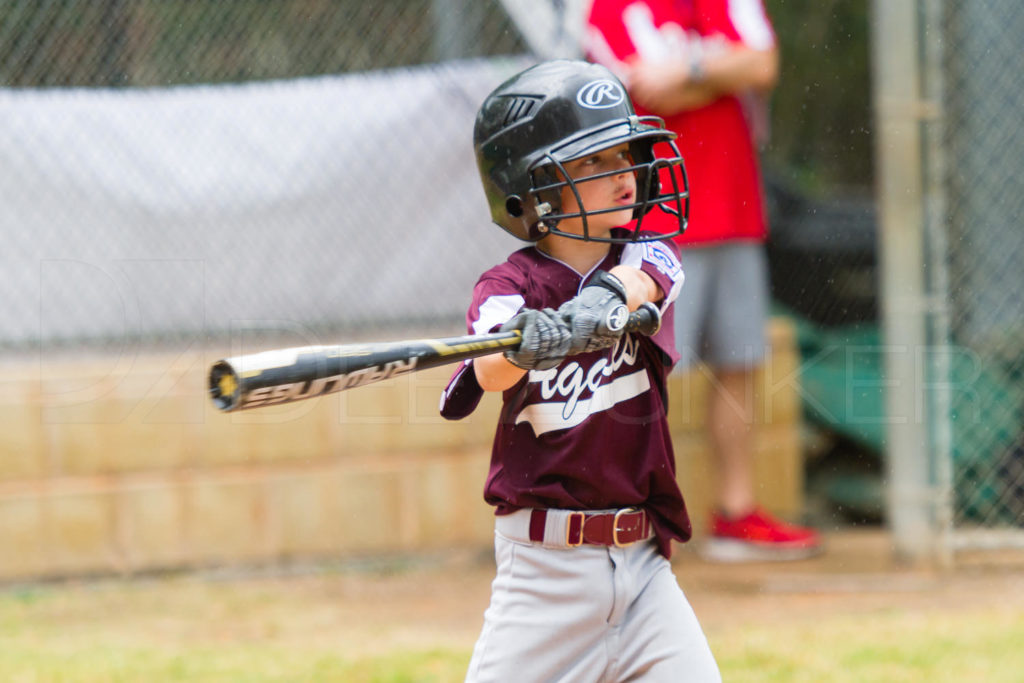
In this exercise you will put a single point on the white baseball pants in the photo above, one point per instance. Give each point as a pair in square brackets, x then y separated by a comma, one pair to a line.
[589, 614]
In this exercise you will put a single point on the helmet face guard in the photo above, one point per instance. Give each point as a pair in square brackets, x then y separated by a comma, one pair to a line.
[558, 112]
[651, 173]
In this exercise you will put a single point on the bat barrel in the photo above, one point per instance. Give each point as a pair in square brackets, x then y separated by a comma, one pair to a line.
[286, 375]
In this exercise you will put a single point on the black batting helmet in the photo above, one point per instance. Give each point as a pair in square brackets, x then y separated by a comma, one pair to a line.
[556, 112]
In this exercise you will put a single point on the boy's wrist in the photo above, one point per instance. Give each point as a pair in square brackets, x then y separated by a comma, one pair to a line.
[640, 287]
[611, 282]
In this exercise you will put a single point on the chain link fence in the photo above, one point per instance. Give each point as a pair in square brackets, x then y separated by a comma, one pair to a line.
[174, 168]
[977, 245]
[178, 170]
[180, 167]
[157, 43]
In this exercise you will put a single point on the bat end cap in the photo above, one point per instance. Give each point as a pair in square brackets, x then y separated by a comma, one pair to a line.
[223, 386]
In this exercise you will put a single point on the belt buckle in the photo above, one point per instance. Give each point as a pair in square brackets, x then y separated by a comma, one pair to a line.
[616, 529]
[576, 515]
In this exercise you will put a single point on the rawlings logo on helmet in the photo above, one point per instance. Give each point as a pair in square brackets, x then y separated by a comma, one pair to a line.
[600, 94]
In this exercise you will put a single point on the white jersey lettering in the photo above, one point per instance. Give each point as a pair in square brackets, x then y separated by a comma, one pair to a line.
[570, 381]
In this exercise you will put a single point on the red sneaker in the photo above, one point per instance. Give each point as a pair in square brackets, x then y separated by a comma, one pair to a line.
[758, 536]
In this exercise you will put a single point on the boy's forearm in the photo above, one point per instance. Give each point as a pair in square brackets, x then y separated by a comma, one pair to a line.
[496, 373]
[640, 287]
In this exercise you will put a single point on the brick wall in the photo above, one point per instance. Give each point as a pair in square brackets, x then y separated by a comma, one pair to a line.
[121, 464]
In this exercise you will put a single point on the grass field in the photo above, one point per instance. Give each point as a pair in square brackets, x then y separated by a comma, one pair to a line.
[983, 645]
[976, 645]
[418, 623]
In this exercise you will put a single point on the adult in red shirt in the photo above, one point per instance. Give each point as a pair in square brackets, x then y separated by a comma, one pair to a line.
[705, 66]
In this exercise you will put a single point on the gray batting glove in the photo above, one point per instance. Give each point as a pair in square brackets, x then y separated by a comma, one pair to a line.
[546, 339]
[597, 315]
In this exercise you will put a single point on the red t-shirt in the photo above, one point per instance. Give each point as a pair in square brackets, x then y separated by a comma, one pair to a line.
[592, 433]
[726, 200]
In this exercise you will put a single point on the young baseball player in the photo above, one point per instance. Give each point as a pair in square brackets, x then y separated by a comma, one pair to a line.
[582, 472]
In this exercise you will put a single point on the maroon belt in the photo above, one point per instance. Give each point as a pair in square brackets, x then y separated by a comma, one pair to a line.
[620, 528]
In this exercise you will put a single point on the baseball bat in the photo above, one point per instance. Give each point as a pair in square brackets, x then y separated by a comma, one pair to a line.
[294, 374]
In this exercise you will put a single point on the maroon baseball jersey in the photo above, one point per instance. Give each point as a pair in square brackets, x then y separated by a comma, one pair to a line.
[591, 433]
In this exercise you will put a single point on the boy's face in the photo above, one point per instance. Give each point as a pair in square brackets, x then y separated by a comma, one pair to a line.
[617, 189]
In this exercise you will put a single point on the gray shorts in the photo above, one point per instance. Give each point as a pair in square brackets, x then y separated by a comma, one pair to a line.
[722, 307]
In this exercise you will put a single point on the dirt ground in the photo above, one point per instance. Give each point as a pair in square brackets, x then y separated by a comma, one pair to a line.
[187, 623]
[438, 601]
